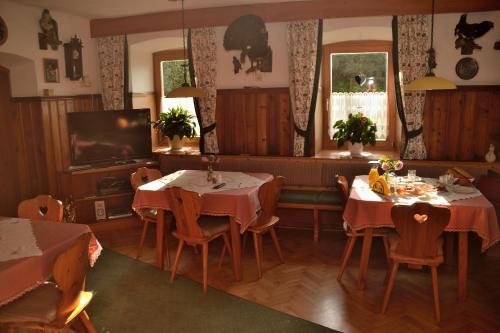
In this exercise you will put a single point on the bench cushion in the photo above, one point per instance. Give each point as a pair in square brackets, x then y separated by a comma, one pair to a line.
[310, 197]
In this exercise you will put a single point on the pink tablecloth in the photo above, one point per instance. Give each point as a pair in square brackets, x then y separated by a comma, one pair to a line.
[477, 214]
[242, 204]
[22, 275]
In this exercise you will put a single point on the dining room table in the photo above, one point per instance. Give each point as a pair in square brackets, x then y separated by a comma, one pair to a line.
[28, 250]
[470, 211]
[232, 194]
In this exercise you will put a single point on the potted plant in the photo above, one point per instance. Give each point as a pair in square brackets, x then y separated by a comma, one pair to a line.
[357, 131]
[176, 124]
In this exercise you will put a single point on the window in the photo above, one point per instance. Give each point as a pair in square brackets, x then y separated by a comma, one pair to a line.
[168, 75]
[357, 77]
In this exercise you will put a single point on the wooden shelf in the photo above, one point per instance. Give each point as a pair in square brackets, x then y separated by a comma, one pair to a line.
[111, 168]
[106, 196]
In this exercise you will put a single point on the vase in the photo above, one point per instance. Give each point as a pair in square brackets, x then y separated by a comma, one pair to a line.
[490, 156]
[176, 143]
[355, 148]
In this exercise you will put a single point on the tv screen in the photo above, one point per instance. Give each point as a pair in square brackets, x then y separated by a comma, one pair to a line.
[109, 136]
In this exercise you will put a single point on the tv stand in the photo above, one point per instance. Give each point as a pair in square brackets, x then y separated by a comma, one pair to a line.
[81, 184]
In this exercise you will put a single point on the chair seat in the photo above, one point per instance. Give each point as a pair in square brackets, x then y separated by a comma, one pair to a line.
[263, 227]
[213, 225]
[39, 305]
[377, 232]
[393, 243]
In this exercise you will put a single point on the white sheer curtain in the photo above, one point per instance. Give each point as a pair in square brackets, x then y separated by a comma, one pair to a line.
[372, 104]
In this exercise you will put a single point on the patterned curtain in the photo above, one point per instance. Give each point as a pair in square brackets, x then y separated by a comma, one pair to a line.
[413, 41]
[112, 63]
[304, 50]
[202, 47]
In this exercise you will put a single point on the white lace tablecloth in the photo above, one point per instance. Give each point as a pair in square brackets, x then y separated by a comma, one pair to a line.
[17, 240]
[196, 181]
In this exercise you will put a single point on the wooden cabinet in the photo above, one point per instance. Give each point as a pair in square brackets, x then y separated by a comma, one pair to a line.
[84, 187]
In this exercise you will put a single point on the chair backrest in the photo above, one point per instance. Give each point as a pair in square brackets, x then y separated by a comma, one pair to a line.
[41, 208]
[69, 273]
[343, 187]
[144, 175]
[186, 207]
[269, 194]
[419, 227]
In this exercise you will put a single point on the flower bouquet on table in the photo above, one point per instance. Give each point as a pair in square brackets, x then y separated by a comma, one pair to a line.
[211, 159]
[381, 184]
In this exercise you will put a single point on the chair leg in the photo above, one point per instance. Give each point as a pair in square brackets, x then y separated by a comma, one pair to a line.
[276, 244]
[435, 288]
[143, 237]
[316, 224]
[167, 232]
[85, 320]
[205, 267]
[227, 246]
[387, 250]
[195, 249]
[244, 245]
[346, 255]
[257, 242]
[388, 289]
[177, 258]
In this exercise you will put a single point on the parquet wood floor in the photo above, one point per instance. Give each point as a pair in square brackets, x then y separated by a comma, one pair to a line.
[306, 286]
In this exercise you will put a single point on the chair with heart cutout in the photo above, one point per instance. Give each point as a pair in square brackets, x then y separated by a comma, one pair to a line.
[418, 242]
[41, 208]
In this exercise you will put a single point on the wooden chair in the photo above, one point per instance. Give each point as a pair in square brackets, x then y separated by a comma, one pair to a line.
[419, 227]
[41, 208]
[140, 177]
[194, 228]
[53, 306]
[269, 194]
[352, 235]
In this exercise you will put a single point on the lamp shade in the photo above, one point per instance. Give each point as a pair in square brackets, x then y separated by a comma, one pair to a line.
[430, 83]
[186, 91]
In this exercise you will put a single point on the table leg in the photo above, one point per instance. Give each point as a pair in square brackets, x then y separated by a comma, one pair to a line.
[463, 253]
[160, 239]
[235, 244]
[365, 257]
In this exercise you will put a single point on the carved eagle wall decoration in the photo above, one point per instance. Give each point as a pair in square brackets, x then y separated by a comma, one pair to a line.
[467, 32]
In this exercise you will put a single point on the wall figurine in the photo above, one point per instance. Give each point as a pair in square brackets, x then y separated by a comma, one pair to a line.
[248, 34]
[73, 59]
[50, 32]
[51, 70]
[467, 32]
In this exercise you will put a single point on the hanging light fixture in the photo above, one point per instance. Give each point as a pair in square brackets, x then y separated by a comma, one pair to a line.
[185, 90]
[430, 81]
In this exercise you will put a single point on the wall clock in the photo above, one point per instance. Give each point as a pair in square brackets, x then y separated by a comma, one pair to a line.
[73, 59]
[3, 31]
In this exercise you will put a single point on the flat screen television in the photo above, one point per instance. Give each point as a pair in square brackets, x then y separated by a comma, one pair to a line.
[102, 137]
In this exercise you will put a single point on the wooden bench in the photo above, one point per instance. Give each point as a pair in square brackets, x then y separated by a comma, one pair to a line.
[313, 198]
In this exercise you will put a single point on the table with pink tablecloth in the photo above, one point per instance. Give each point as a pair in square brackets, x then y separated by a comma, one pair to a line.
[240, 204]
[21, 275]
[367, 210]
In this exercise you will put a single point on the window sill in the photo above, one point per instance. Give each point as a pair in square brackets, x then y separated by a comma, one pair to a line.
[367, 155]
[165, 150]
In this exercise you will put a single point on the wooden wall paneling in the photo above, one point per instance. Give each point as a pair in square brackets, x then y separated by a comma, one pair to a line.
[251, 124]
[467, 140]
[262, 108]
[286, 125]
[455, 123]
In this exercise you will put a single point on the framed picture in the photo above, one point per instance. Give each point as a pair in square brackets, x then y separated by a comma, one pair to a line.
[51, 70]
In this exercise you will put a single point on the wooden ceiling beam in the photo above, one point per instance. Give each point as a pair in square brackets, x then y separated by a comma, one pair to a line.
[281, 12]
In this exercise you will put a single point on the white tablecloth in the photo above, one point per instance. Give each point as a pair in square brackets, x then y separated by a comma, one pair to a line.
[17, 240]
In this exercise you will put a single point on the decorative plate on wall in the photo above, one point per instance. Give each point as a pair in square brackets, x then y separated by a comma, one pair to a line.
[467, 68]
[3, 31]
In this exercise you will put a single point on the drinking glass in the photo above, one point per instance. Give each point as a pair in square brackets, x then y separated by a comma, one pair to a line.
[412, 175]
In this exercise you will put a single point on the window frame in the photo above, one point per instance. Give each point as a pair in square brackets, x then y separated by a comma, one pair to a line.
[158, 57]
[353, 47]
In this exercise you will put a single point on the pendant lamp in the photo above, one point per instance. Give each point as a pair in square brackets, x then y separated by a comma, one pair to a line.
[185, 90]
[430, 81]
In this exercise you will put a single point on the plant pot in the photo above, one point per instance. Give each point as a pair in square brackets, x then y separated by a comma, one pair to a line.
[176, 143]
[355, 148]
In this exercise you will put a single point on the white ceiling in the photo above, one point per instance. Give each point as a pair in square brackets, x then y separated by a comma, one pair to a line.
[117, 8]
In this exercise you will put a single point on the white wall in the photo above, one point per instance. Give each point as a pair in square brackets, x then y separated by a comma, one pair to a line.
[22, 22]
[335, 30]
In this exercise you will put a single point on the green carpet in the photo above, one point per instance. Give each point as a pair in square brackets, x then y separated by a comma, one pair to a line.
[132, 296]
